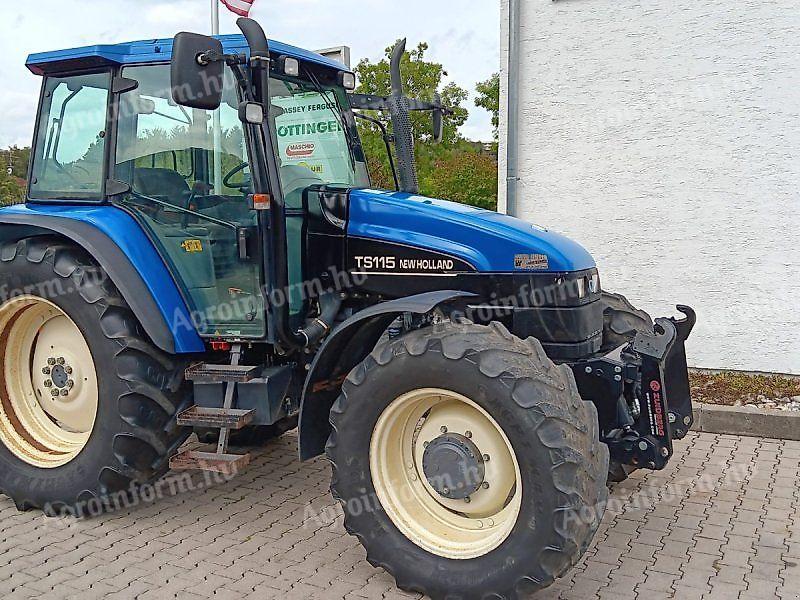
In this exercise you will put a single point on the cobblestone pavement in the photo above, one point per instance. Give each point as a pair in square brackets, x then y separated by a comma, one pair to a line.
[721, 522]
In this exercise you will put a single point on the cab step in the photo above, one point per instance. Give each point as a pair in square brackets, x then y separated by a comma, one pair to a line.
[197, 460]
[216, 418]
[206, 373]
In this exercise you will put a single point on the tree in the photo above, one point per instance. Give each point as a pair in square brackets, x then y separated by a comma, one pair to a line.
[489, 99]
[12, 185]
[466, 177]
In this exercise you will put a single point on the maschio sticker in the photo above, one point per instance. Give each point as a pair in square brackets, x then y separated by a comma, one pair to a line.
[531, 262]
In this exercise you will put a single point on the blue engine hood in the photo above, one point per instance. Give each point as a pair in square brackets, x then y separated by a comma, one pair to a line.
[487, 240]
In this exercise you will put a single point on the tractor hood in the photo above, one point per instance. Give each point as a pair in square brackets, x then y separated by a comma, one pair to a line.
[488, 241]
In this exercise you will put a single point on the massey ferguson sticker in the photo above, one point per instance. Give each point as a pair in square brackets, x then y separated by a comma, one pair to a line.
[301, 150]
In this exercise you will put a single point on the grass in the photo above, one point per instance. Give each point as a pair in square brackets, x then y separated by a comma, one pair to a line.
[733, 388]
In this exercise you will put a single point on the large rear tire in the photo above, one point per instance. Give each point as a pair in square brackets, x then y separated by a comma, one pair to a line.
[87, 403]
[467, 464]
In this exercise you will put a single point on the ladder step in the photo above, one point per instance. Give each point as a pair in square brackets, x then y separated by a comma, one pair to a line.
[222, 418]
[227, 464]
[206, 373]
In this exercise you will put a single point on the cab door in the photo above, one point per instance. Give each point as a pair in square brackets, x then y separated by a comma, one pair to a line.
[189, 177]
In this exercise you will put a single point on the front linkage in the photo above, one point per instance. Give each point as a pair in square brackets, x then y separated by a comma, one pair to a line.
[641, 391]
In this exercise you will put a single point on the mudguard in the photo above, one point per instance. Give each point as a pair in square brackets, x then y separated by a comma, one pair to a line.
[118, 244]
[349, 344]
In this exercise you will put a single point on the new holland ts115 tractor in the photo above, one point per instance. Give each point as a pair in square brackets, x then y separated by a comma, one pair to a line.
[201, 250]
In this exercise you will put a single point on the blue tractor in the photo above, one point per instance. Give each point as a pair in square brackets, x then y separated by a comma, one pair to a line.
[201, 250]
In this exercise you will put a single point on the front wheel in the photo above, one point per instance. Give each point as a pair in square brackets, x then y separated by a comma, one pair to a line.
[467, 463]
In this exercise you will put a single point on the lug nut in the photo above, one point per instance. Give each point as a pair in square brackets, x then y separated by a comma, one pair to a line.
[617, 377]
[486, 458]
[467, 499]
[588, 369]
[687, 420]
[65, 392]
[443, 429]
[664, 452]
[61, 360]
[68, 370]
[48, 383]
[425, 444]
[618, 369]
[445, 491]
[51, 362]
[46, 371]
[485, 485]
[672, 417]
[70, 384]
[467, 434]
[54, 393]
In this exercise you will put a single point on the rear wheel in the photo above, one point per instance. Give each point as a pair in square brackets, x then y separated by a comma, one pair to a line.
[467, 463]
[87, 403]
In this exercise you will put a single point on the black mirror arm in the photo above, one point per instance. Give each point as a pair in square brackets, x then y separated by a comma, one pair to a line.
[372, 102]
[206, 58]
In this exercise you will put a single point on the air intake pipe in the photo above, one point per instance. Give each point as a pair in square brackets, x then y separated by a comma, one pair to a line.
[400, 112]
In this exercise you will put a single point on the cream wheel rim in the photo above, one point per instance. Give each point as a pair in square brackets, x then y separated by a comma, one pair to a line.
[405, 479]
[49, 392]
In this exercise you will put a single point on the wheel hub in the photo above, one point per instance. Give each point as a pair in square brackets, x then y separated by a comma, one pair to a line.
[59, 377]
[48, 383]
[454, 466]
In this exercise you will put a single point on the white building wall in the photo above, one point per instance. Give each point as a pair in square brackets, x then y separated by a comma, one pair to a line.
[665, 136]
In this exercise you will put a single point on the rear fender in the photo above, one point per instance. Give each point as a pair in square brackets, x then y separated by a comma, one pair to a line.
[126, 254]
[348, 345]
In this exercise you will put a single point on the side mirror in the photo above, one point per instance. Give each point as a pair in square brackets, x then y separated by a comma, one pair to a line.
[197, 71]
[438, 121]
[438, 125]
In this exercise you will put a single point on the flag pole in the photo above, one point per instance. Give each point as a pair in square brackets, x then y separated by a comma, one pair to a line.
[214, 17]
[217, 123]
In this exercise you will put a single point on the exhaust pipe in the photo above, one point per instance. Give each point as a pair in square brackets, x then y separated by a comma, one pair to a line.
[400, 112]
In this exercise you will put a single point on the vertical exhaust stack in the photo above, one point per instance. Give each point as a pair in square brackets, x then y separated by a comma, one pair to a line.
[400, 111]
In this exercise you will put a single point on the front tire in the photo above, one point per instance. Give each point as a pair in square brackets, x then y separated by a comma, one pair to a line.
[65, 328]
[530, 504]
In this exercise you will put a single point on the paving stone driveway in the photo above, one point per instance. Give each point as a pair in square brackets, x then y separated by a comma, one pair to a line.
[721, 522]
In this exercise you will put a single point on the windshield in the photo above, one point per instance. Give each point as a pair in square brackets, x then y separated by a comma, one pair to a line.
[315, 142]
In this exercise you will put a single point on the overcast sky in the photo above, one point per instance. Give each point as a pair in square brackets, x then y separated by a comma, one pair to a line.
[464, 36]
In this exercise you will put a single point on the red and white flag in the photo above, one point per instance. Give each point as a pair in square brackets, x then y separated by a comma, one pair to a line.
[240, 7]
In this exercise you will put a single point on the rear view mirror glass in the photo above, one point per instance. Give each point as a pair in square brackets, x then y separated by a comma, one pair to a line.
[196, 82]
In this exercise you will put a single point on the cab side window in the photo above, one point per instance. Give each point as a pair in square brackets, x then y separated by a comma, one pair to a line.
[69, 157]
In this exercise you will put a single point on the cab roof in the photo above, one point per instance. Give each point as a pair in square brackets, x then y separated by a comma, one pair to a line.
[153, 51]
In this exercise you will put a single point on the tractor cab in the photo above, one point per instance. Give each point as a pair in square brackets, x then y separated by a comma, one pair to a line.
[110, 128]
